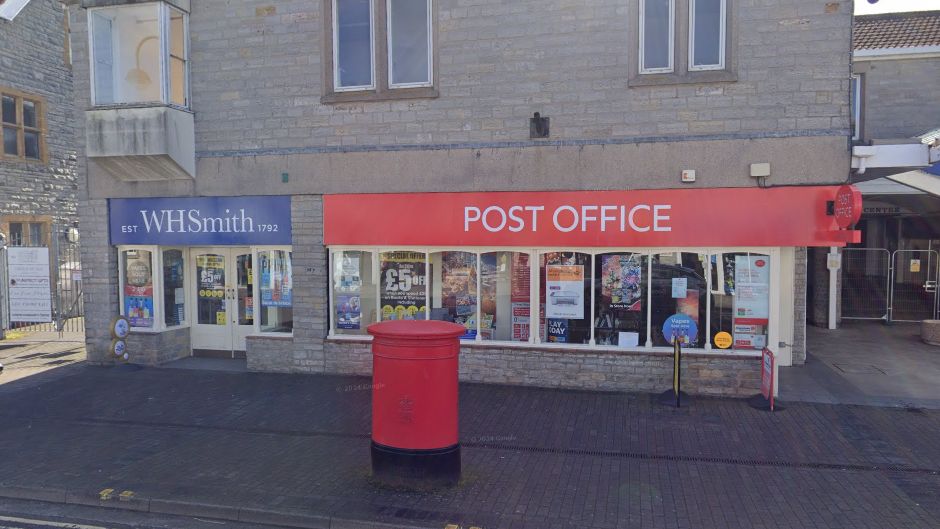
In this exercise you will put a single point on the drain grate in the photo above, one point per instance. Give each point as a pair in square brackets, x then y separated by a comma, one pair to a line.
[700, 459]
[859, 369]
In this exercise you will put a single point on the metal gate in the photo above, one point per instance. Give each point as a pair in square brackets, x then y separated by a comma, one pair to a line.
[65, 275]
[913, 285]
[866, 283]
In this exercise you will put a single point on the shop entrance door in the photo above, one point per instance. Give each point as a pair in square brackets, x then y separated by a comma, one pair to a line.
[223, 298]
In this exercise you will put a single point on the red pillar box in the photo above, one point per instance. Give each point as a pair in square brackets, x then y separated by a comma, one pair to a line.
[414, 402]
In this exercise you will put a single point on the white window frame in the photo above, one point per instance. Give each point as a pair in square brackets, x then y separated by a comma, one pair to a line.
[856, 96]
[163, 34]
[388, 38]
[336, 77]
[256, 289]
[723, 19]
[535, 331]
[671, 40]
[168, 27]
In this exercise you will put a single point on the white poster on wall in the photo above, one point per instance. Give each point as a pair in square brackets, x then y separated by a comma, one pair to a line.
[564, 286]
[752, 287]
[30, 287]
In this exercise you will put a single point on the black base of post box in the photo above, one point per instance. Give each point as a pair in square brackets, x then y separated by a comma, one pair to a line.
[421, 469]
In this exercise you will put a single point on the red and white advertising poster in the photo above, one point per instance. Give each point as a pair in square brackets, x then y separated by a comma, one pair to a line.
[520, 277]
[751, 301]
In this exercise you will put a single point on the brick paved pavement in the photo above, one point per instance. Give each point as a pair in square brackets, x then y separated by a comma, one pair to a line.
[532, 457]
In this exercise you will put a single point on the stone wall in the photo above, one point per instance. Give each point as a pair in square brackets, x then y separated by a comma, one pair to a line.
[899, 97]
[99, 280]
[32, 61]
[703, 374]
[158, 348]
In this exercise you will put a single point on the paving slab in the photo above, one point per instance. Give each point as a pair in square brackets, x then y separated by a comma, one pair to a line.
[295, 448]
[866, 363]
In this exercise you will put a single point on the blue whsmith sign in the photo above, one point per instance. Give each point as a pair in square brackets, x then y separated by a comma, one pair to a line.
[189, 221]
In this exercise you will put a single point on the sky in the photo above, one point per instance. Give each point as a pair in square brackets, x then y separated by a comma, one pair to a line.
[862, 7]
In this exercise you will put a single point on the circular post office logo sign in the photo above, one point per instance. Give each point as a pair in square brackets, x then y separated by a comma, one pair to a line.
[120, 327]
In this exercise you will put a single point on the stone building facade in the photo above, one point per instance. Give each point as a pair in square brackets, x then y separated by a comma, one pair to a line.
[284, 101]
[38, 178]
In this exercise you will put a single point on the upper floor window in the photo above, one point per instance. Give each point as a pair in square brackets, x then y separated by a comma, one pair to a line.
[856, 101]
[707, 34]
[657, 23]
[21, 120]
[139, 54]
[381, 48]
[681, 37]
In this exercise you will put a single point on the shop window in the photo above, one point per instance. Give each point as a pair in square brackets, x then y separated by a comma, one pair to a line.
[564, 297]
[620, 299]
[22, 123]
[130, 45]
[174, 291]
[382, 49]
[354, 296]
[504, 296]
[679, 286]
[454, 290]
[740, 299]
[275, 288]
[137, 274]
[403, 285]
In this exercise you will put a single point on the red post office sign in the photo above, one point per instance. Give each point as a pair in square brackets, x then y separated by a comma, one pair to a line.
[848, 206]
[788, 216]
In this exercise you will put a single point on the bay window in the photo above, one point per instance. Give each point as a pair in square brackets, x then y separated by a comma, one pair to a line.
[139, 54]
[609, 298]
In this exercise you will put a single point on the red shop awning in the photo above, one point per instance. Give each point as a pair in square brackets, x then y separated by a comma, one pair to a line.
[785, 216]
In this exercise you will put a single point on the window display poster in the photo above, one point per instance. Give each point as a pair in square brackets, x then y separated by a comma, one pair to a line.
[458, 283]
[138, 289]
[564, 285]
[752, 289]
[348, 312]
[276, 284]
[403, 282]
[520, 277]
[520, 321]
[30, 288]
[347, 268]
[557, 330]
[489, 276]
[621, 282]
[752, 301]
[689, 304]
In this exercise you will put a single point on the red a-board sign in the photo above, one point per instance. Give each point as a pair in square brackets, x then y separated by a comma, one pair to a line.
[767, 376]
[786, 216]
